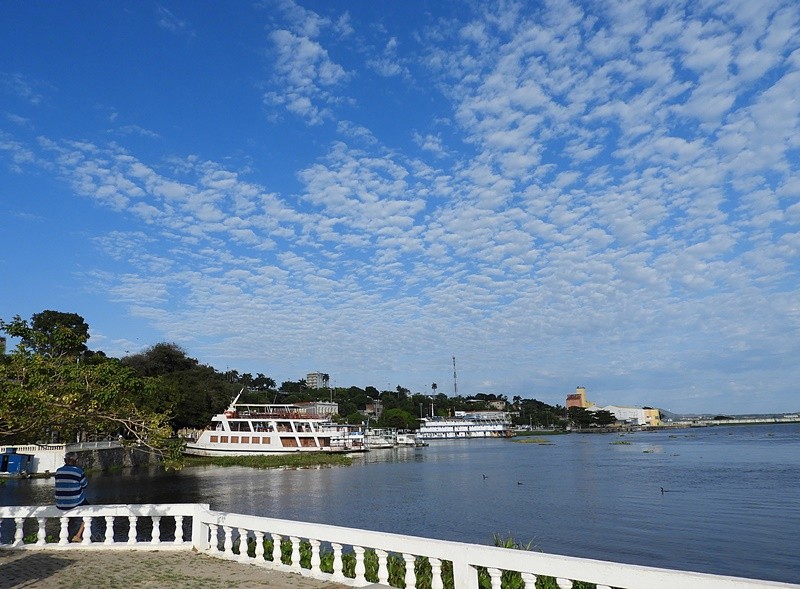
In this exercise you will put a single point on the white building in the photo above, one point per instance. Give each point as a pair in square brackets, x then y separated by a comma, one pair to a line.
[314, 380]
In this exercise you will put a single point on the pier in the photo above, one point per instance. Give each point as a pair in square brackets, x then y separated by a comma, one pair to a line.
[264, 550]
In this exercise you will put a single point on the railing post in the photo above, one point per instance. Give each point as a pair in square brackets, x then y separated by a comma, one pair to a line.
[227, 545]
[315, 558]
[155, 536]
[200, 529]
[63, 535]
[436, 573]
[411, 575]
[464, 575]
[132, 519]
[178, 529]
[18, 532]
[40, 532]
[383, 567]
[338, 571]
[360, 569]
[295, 559]
[276, 549]
[259, 546]
[109, 530]
[530, 580]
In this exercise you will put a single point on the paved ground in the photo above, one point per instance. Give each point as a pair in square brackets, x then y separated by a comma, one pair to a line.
[132, 569]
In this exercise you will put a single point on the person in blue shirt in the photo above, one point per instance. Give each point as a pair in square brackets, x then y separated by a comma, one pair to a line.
[70, 484]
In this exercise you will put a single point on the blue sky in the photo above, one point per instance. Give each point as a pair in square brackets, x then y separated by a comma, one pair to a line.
[559, 193]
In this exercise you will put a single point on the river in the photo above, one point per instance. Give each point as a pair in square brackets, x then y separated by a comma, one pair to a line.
[731, 500]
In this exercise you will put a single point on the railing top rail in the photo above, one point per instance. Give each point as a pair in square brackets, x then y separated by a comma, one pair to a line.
[143, 510]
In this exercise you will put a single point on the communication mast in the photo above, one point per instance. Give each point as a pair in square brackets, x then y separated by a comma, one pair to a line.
[455, 380]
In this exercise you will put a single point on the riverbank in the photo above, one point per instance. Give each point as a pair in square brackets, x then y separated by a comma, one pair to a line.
[289, 460]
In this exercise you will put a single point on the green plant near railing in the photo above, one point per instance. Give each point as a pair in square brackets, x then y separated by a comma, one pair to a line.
[396, 565]
[32, 538]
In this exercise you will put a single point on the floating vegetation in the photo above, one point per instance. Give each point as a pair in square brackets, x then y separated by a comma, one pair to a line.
[293, 460]
[621, 443]
[540, 441]
[647, 451]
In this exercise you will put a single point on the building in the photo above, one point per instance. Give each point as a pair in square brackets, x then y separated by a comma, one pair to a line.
[633, 415]
[319, 408]
[316, 380]
[578, 399]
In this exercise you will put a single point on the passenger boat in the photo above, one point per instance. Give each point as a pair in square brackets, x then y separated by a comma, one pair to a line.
[477, 424]
[260, 429]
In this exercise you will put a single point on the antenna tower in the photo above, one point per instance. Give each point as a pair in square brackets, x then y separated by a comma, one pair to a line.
[455, 380]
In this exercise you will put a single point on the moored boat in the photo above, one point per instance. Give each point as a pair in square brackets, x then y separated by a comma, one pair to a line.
[260, 429]
[478, 424]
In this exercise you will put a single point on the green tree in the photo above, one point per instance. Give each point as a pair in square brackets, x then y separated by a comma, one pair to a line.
[50, 333]
[191, 392]
[604, 418]
[48, 395]
[580, 416]
[397, 418]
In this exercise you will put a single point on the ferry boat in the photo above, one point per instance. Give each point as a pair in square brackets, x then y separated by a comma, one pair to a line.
[259, 429]
[478, 424]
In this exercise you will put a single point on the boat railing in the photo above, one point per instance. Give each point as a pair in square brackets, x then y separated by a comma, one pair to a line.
[346, 556]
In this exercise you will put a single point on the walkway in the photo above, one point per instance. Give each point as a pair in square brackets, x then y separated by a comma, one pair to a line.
[137, 569]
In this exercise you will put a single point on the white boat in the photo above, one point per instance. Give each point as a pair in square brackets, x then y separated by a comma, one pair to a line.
[259, 429]
[406, 439]
[465, 425]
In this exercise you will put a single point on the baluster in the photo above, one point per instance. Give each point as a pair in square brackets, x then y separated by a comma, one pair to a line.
[155, 536]
[564, 583]
[109, 530]
[132, 519]
[496, 576]
[383, 567]
[315, 558]
[411, 575]
[259, 546]
[530, 580]
[276, 549]
[87, 531]
[18, 521]
[227, 546]
[244, 535]
[178, 529]
[41, 532]
[295, 560]
[63, 535]
[436, 574]
[338, 570]
[361, 569]
[213, 545]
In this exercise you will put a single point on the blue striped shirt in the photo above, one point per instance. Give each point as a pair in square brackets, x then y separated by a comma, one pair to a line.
[70, 483]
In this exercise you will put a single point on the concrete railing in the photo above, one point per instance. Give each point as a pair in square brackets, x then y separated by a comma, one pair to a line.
[344, 555]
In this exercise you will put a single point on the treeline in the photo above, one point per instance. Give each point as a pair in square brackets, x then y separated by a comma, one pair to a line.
[54, 388]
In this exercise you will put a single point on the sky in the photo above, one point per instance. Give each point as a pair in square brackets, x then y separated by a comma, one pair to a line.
[555, 193]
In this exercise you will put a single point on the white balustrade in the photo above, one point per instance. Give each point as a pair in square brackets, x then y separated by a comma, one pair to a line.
[345, 555]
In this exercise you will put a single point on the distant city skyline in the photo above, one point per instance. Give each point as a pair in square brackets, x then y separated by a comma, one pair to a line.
[555, 193]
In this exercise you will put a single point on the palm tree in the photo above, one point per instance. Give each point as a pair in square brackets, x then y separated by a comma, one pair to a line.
[326, 378]
[434, 386]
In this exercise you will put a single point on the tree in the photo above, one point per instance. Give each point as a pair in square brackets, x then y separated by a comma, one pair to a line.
[604, 417]
[580, 416]
[190, 392]
[398, 418]
[46, 395]
[50, 333]
[326, 379]
[434, 386]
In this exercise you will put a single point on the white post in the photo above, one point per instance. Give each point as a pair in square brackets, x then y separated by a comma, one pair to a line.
[361, 568]
[315, 558]
[276, 549]
[436, 574]
[338, 571]
[132, 529]
[464, 575]
[200, 530]
[178, 529]
[411, 574]
[155, 536]
[383, 567]
[109, 530]
[41, 532]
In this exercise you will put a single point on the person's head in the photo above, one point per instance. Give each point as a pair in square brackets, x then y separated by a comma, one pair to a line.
[71, 458]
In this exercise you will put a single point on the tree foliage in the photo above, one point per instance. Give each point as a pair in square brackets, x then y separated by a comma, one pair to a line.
[46, 391]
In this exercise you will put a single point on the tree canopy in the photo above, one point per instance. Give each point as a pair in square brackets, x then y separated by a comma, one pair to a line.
[47, 392]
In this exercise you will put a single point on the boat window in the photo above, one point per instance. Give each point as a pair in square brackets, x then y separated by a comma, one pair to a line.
[234, 439]
[289, 442]
[214, 439]
[265, 440]
[245, 439]
[223, 439]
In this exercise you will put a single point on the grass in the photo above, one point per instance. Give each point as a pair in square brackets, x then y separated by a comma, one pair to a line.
[621, 443]
[540, 432]
[293, 460]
